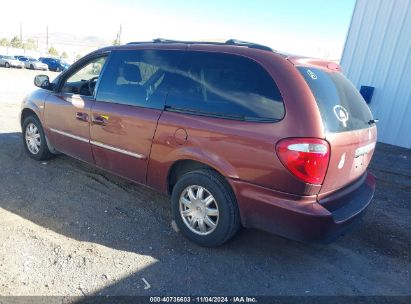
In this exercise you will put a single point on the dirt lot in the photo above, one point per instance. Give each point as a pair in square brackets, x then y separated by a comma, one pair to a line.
[69, 229]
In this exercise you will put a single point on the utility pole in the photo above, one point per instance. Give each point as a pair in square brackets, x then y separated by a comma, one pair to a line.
[47, 37]
[118, 39]
[21, 32]
[119, 34]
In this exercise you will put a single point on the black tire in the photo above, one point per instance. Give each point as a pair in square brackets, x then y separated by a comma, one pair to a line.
[43, 152]
[7, 65]
[31, 66]
[229, 219]
[57, 69]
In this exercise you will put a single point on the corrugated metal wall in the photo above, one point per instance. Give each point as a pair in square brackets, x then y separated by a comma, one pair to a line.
[378, 53]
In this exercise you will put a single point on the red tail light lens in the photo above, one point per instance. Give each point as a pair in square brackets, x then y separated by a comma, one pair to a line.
[306, 158]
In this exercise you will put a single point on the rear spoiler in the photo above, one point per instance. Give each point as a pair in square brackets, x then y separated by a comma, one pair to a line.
[315, 62]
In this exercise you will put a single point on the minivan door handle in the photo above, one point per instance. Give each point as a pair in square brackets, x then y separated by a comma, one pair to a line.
[82, 116]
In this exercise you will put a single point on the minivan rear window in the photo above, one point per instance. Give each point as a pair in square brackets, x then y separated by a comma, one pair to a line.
[341, 106]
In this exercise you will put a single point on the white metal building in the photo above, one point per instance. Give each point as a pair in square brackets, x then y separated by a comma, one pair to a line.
[377, 53]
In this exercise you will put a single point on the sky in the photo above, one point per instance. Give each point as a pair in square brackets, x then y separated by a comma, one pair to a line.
[306, 27]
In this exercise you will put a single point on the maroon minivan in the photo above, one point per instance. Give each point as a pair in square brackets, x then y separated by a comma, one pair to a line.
[235, 132]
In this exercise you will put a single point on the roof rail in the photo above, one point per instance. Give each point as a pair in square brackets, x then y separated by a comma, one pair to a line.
[163, 40]
[228, 42]
[248, 44]
[139, 42]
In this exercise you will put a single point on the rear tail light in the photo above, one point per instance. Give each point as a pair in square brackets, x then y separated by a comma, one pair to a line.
[305, 158]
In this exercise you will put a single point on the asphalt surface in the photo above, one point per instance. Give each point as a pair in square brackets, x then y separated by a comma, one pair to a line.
[67, 228]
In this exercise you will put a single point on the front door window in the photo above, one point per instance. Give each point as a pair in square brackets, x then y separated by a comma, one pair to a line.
[83, 81]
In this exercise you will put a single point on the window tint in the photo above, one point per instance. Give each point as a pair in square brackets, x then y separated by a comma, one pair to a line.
[83, 80]
[341, 106]
[138, 78]
[226, 86]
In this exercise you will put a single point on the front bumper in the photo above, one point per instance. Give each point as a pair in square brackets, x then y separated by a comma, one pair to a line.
[304, 218]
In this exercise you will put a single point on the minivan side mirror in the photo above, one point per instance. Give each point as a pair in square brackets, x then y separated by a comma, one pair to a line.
[42, 81]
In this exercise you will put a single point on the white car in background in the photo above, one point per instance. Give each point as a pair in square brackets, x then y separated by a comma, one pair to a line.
[10, 61]
[33, 64]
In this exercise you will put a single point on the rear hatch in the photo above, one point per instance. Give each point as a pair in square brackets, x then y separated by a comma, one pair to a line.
[348, 123]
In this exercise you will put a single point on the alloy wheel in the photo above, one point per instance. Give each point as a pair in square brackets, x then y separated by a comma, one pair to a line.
[199, 210]
[32, 137]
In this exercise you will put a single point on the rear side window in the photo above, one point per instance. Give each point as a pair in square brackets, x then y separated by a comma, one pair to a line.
[137, 77]
[226, 86]
[341, 106]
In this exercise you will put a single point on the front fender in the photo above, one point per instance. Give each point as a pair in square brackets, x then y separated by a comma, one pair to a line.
[35, 101]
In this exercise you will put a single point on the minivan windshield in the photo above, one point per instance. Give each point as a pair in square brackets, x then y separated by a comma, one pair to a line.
[341, 106]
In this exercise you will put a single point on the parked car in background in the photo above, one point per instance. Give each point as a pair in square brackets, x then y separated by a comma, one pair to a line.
[236, 134]
[11, 61]
[33, 64]
[24, 58]
[19, 56]
[55, 64]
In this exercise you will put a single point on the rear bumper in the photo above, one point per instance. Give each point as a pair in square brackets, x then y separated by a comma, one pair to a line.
[304, 218]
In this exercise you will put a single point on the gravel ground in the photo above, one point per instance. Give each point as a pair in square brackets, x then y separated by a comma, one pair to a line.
[67, 228]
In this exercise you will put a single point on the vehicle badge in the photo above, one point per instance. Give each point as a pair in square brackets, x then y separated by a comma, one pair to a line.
[342, 114]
